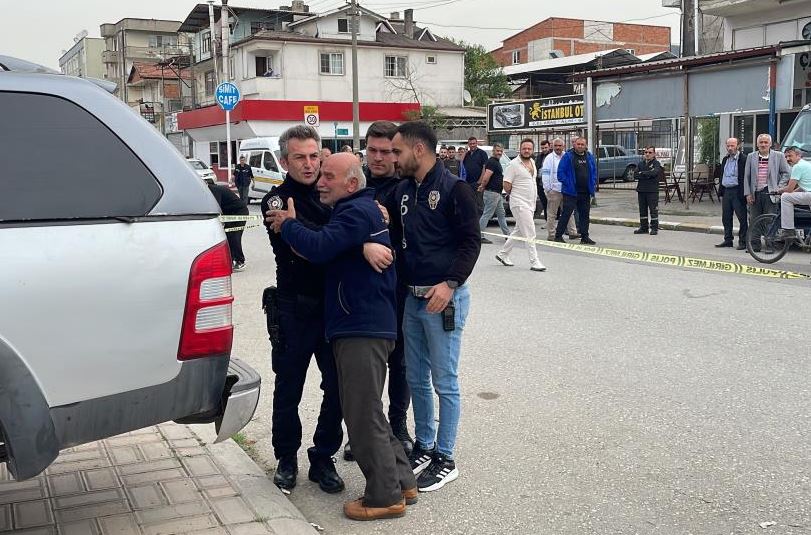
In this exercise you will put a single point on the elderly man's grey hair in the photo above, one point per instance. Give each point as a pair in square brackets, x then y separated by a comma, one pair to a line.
[497, 146]
[765, 136]
[356, 171]
[300, 132]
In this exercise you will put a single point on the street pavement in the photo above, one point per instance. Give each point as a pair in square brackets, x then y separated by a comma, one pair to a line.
[601, 396]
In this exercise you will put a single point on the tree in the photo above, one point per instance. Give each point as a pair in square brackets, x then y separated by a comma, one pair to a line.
[483, 76]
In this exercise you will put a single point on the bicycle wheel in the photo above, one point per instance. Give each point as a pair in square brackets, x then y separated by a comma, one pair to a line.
[763, 241]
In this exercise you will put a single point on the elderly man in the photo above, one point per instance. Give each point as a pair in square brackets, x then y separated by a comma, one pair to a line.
[733, 200]
[766, 172]
[519, 182]
[798, 190]
[551, 185]
[361, 324]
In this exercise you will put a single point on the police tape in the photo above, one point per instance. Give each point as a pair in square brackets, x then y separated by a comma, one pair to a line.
[661, 259]
[250, 221]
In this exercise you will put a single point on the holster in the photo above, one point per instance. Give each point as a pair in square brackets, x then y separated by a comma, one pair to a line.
[270, 304]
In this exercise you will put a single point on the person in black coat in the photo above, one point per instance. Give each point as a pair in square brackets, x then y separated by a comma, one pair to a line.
[730, 189]
[647, 192]
[230, 204]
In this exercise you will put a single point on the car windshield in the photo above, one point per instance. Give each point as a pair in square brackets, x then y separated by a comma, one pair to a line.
[197, 165]
[799, 135]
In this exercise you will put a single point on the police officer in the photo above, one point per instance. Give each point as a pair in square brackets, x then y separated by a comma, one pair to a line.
[243, 177]
[382, 176]
[299, 300]
[440, 242]
[647, 192]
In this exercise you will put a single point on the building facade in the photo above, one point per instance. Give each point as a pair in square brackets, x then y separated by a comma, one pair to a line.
[753, 23]
[558, 37]
[284, 60]
[145, 41]
[83, 59]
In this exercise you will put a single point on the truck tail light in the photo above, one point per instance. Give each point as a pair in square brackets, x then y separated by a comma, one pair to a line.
[207, 326]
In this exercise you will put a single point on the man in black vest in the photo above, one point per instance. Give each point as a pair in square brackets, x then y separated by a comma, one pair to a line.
[647, 192]
[243, 177]
[439, 246]
[730, 189]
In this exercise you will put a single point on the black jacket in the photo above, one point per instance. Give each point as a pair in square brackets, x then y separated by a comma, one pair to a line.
[295, 275]
[719, 174]
[648, 175]
[439, 225]
[229, 202]
[242, 175]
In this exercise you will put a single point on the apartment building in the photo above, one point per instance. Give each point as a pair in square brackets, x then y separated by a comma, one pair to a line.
[83, 59]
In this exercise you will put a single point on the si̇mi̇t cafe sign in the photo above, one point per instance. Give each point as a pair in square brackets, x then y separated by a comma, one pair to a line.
[535, 114]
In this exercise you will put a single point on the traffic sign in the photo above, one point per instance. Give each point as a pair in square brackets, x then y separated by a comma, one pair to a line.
[227, 96]
[311, 117]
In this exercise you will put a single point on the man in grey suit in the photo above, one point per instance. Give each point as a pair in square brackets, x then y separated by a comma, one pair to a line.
[766, 172]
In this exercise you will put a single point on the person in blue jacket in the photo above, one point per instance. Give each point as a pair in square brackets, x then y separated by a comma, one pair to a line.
[361, 325]
[577, 173]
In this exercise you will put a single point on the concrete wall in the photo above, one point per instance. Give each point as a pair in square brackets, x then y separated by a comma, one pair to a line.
[766, 27]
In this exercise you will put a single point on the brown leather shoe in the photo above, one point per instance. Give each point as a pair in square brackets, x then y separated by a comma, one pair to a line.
[357, 511]
[410, 496]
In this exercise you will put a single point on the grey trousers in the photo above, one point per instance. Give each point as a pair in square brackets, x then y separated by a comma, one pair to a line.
[362, 366]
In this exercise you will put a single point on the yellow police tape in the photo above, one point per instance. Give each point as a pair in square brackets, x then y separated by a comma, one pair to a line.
[669, 260]
[250, 221]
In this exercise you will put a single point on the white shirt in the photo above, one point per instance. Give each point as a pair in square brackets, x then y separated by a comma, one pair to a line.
[549, 172]
[524, 189]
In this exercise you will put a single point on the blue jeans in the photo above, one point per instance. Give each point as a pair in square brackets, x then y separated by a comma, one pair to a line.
[432, 364]
[494, 204]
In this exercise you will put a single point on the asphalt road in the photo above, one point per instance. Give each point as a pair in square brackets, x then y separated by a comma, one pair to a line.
[602, 396]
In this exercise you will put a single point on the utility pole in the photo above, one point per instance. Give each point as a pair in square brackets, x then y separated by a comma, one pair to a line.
[355, 102]
[226, 77]
[213, 29]
[689, 35]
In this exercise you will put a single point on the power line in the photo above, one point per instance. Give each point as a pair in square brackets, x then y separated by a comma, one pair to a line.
[562, 27]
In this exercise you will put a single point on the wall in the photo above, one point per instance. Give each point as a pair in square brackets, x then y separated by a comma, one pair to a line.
[747, 31]
[441, 84]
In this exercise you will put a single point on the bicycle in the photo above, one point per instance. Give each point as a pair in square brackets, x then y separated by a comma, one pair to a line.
[764, 242]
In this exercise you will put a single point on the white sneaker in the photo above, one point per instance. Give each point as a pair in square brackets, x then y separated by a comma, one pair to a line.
[504, 259]
[537, 266]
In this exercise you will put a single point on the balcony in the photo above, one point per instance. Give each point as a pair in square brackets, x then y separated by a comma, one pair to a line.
[263, 87]
[109, 56]
[107, 30]
[729, 8]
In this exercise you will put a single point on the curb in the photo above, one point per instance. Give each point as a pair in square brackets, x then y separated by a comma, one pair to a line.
[282, 517]
[663, 225]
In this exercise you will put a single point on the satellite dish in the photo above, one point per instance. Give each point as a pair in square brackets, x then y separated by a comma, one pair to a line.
[807, 31]
[467, 97]
[79, 36]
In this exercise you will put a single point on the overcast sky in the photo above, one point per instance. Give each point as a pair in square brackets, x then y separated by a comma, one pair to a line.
[39, 31]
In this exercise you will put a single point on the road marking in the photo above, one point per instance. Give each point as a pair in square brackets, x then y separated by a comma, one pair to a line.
[718, 266]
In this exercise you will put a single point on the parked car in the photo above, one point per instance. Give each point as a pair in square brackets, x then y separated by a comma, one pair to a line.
[615, 162]
[202, 170]
[115, 306]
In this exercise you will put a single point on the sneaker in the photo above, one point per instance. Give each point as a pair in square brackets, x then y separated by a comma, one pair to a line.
[587, 241]
[537, 266]
[420, 458]
[239, 266]
[504, 259]
[486, 240]
[439, 473]
[559, 239]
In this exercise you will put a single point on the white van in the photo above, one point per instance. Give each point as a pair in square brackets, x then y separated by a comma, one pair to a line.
[263, 155]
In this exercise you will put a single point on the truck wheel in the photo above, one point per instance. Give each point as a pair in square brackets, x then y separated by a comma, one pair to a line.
[630, 174]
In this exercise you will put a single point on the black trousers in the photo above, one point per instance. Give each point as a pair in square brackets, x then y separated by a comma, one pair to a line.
[648, 202]
[301, 335]
[361, 364]
[543, 199]
[399, 393]
[582, 203]
[732, 202]
[235, 241]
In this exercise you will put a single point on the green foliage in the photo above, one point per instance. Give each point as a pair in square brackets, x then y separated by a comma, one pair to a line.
[708, 132]
[429, 114]
[483, 76]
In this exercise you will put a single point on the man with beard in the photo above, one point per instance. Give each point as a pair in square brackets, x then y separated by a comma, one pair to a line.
[577, 173]
[520, 184]
[439, 245]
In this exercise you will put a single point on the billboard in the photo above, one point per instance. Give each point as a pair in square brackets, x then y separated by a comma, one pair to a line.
[539, 113]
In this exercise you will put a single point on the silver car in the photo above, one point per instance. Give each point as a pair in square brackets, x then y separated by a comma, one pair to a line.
[115, 302]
